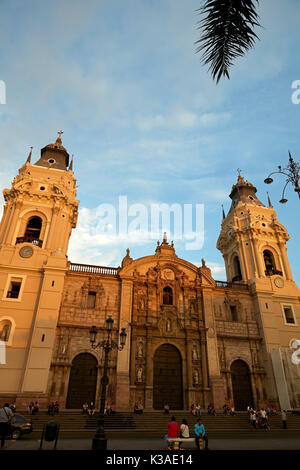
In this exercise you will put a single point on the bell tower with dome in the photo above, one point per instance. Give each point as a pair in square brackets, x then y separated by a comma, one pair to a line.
[39, 214]
[253, 244]
[252, 240]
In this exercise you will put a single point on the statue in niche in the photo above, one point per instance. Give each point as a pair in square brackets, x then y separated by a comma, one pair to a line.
[139, 374]
[140, 349]
[168, 325]
[195, 353]
[222, 357]
[196, 377]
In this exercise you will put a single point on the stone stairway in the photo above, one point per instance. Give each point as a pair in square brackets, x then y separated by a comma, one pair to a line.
[154, 422]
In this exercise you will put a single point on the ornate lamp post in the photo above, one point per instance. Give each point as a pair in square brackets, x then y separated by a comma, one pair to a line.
[100, 440]
[292, 173]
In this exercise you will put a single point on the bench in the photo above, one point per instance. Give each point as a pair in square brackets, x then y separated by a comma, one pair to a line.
[175, 442]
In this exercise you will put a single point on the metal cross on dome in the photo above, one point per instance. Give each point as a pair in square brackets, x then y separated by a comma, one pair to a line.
[60, 133]
[239, 172]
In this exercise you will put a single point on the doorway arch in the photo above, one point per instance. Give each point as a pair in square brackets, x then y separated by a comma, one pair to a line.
[83, 381]
[167, 378]
[241, 385]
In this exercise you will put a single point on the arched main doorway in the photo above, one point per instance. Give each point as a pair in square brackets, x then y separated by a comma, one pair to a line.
[241, 385]
[167, 378]
[83, 381]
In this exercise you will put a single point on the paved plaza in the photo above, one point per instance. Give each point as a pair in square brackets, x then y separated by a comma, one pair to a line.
[269, 441]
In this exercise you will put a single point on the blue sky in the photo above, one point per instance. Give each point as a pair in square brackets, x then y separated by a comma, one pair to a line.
[142, 115]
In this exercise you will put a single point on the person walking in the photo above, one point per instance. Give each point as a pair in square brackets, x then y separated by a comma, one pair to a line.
[5, 416]
[283, 419]
[200, 434]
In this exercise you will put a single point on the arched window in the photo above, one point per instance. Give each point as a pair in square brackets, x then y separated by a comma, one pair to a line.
[33, 228]
[237, 269]
[269, 262]
[5, 330]
[167, 296]
[32, 232]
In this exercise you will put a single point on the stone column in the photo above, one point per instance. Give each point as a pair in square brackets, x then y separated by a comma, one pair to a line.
[215, 380]
[149, 371]
[285, 261]
[123, 361]
[189, 395]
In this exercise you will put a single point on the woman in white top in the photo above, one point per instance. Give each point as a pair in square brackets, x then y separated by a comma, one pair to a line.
[184, 431]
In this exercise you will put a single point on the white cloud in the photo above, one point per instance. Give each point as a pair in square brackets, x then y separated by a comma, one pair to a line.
[183, 119]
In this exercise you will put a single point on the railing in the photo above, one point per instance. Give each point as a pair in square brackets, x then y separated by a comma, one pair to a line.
[30, 239]
[231, 285]
[89, 268]
[272, 272]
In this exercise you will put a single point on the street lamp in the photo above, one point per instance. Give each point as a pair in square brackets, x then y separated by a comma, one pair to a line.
[292, 173]
[100, 440]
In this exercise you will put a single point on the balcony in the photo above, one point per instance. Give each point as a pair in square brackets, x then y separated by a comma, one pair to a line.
[28, 238]
[272, 272]
[231, 285]
[93, 269]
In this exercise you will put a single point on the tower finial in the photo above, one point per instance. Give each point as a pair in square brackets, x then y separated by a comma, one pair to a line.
[58, 140]
[223, 213]
[269, 200]
[29, 156]
[165, 237]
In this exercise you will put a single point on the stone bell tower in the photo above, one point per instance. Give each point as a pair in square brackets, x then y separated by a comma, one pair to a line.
[39, 214]
[252, 240]
[253, 244]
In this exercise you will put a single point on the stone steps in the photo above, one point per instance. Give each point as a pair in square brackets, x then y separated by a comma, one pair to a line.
[156, 422]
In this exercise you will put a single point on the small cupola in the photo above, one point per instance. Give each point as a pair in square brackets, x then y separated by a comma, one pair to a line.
[54, 155]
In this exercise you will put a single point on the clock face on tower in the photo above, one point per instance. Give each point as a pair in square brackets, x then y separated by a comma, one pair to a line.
[26, 251]
[278, 281]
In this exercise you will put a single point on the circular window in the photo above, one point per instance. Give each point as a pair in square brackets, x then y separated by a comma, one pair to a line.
[42, 188]
[51, 160]
[263, 224]
[250, 197]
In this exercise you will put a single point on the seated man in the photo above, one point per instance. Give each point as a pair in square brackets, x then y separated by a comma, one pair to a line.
[200, 434]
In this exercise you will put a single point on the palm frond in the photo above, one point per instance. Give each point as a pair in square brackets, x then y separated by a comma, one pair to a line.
[226, 32]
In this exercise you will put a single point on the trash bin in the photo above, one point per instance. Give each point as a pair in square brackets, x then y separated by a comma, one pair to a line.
[50, 433]
[51, 430]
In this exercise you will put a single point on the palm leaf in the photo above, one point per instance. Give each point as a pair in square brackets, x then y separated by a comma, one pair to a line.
[226, 32]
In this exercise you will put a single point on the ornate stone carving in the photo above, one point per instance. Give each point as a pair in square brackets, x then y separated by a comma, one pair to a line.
[195, 377]
[195, 353]
[139, 374]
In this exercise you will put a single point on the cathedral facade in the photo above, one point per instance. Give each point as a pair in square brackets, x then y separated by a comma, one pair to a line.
[190, 338]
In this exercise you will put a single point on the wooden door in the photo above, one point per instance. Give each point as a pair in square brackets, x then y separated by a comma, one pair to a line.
[83, 381]
[167, 378]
